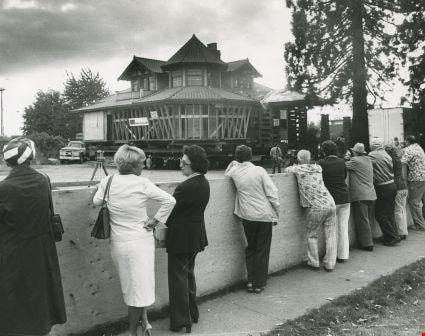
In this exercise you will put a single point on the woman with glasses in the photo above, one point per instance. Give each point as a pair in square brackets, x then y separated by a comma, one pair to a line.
[186, 237]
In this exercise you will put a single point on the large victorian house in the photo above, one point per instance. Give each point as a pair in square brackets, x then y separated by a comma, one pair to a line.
[194, 97]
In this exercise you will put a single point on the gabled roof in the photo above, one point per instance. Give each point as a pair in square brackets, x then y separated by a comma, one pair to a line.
[194, 52]
[195, 94]
[236, 65]
[150, 64]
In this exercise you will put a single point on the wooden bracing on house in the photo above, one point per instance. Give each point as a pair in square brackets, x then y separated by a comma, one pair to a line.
[182, 122]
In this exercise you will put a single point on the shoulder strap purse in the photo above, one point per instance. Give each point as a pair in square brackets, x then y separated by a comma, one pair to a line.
[102, 226]
[55, 219]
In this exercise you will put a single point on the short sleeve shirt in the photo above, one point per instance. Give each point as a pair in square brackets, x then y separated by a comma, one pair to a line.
[414, 158]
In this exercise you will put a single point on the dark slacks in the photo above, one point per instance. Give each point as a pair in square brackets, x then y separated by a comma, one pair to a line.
[384, 210]
[182, 290]
[361, 212]
[259, 238]
[276, 164]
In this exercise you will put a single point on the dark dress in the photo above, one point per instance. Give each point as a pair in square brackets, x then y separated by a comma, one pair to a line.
[186, 237]
[31, 295]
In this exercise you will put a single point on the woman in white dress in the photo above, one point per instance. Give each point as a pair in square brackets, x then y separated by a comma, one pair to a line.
[132, 242]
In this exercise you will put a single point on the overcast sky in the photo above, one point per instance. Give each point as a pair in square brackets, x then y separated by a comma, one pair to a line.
[41, 40]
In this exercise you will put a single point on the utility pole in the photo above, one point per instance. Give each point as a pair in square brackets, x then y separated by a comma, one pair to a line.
[1, 109]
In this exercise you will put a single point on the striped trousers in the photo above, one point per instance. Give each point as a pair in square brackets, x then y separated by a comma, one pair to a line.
[316, 220]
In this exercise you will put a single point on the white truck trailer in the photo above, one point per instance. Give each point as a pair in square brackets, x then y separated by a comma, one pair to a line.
[389, 124]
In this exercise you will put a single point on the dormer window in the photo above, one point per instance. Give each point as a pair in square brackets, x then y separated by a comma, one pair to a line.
[177, 78]
[135, 85]
[195, 77]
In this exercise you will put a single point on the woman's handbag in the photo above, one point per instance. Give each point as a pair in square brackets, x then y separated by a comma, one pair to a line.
[160, 234]
[55, 219]
[102, 226]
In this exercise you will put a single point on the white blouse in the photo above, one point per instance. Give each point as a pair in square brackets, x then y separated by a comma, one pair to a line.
[127, 201]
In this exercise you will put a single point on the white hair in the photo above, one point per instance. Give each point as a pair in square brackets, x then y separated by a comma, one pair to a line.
[304, 156]
[128, 157]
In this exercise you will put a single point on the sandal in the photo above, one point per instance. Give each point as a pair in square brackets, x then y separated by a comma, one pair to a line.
[249, 287]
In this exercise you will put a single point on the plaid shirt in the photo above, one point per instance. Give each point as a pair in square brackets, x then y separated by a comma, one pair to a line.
[414, 158]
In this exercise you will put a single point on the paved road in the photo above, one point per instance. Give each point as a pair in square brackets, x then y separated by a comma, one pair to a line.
[83, 172]
[290, 295]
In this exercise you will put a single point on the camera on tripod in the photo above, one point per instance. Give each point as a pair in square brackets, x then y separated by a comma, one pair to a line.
[99, 156]
[100, 159]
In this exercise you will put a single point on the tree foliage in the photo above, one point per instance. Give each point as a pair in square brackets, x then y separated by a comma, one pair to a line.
[52, 112]
[49, 114]
[342, 50]
[47, 146]
[85, 89]
[412, 51]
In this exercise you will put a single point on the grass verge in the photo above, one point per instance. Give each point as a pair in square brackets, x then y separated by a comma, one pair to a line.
[391, 305]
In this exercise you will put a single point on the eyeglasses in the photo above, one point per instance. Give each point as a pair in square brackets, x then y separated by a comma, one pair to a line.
[184, 163]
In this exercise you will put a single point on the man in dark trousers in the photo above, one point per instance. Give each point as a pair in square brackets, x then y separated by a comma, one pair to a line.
[276, 156]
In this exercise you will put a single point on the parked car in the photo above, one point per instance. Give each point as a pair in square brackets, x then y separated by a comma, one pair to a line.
[74, 151]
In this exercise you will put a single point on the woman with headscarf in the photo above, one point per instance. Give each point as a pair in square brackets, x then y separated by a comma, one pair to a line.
[31, 295]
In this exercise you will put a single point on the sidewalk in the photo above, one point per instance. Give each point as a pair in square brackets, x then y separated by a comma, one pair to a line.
[290, 295]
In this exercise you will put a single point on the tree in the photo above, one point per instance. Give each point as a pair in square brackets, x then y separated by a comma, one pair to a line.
[49, 114]
[342, 50]
[84, 90]
[411, 38]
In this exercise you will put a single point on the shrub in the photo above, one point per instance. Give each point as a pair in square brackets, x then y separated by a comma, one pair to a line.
[47, 146]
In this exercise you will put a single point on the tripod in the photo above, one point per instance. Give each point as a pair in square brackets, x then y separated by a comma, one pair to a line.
[99, 165]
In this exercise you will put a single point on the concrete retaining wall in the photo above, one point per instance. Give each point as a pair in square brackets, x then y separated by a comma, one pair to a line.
[91, 285]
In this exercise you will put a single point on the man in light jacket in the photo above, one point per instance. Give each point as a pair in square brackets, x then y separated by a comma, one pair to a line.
[257, 204]
[362, 194]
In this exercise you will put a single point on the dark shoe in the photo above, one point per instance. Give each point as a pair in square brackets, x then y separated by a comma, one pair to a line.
[379, 239]
[258, 290]
[249, 287]
[177, 329]
[341, 260]
[392, 242]
[366, 248]
[312, 268]
[328, 269]
[403, 237]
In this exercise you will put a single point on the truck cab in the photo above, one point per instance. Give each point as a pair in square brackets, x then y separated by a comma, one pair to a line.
[74, 151]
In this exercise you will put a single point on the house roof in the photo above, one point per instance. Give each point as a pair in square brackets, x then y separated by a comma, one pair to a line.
[280, 96]
[150, 64]
[110, 102]
[236, 65]
[195, 93]
[194, 52]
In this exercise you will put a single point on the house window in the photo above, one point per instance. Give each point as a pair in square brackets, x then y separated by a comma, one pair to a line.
[146, 84]
[195, 77]
[135, 86]
[152, 83]
[177, 78]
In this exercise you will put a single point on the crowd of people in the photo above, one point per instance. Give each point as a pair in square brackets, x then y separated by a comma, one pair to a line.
[379, 182]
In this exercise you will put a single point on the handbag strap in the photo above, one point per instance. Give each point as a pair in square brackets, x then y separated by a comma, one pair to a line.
[108, 185]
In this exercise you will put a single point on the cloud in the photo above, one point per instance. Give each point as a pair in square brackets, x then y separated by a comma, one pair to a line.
[35, 33]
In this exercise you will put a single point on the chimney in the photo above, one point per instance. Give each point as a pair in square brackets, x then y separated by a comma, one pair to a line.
[213, 47]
